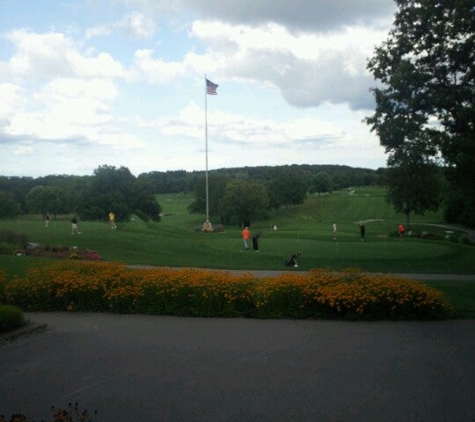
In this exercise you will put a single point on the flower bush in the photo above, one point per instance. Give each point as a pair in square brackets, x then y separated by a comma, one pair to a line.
[71, 414]
[112, 287]
[59, 252]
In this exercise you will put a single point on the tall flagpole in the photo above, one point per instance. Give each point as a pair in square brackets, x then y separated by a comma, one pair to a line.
[206, 149]
[210, 88]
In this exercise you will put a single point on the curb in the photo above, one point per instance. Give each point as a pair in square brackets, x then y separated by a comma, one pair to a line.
[30, 328]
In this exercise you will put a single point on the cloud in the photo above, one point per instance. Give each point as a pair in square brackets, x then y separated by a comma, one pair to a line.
[45, 56]
[237, 129]
[155, 69]
[308, 69]
[139, 26]
[298, 15]
[94, 90]
[135, 25]
[10, 95]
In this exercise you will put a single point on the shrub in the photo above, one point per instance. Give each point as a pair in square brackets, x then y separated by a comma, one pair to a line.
[17, 240]
[99, 287]
[7, 248]
[11, 317]
[464, 239]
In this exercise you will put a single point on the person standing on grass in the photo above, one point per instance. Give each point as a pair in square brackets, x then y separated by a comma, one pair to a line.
[362, 231]
[74, 225]
[401, 230]
[334, 231]
[47, 219]
[112, 220]
[255, 241]
[246, 235]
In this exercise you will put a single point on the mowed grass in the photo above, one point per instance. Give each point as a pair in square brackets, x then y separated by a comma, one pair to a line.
[175, 242]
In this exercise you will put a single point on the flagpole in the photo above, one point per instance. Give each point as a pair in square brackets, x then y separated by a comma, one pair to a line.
[206, 151]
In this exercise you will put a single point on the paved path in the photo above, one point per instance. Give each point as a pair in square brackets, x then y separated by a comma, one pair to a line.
[273, 273]
[155, 368]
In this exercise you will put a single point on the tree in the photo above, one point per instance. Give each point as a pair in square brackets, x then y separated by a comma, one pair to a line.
[414, 185]
[8, 206]
[42, 199]
[321, 183]
[144, 202]
[116, 189]
[339, 181]
[288, 187]
[244, 200]
[216, 187]
[427, 93]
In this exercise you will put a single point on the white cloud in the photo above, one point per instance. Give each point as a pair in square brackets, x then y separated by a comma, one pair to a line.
[24, 150]
[135, 25]
[156, 69]
[295, 71]
[10, 95]
[139, 26]
[49, 55]
[309, 69]
[229, 128]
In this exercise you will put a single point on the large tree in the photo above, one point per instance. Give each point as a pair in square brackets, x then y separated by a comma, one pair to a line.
[116, 189]
[244, 200]
[321, 183]
[42, 199]
[8, 206]
[216, 187]
[426, 70]
[414, 184]
[287, 187]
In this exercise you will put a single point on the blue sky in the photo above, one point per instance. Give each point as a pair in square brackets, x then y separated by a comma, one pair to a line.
[121, 82]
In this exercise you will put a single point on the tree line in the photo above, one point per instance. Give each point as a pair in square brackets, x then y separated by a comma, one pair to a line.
[425, 107]
[235, 194]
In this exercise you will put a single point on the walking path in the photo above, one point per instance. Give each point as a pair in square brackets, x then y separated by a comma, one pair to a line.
[161, 368]
[158, 368]
[274, 273]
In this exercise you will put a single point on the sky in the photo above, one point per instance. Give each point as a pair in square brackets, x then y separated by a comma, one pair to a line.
[85, 83]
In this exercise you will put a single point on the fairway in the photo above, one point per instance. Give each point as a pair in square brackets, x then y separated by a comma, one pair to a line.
[177, 242]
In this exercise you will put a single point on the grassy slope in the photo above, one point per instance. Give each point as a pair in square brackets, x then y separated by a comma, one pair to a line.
[174, 242]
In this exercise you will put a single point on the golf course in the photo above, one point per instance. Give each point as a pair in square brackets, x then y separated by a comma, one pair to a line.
[430, 246]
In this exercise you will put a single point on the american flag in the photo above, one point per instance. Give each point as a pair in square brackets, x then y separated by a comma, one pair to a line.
[211, 88]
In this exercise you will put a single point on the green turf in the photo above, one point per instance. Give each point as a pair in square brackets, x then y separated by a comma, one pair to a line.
[175, 242]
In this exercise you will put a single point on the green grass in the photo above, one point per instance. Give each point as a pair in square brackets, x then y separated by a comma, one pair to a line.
[174, 242]
[460, 293]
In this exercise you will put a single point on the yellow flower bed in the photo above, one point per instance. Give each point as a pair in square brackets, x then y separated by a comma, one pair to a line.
[112, 287]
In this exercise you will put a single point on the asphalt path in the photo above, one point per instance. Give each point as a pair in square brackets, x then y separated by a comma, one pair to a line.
[159, 368]
[274, 273]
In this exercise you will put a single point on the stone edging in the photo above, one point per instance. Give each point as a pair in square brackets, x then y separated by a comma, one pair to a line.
[30, 328]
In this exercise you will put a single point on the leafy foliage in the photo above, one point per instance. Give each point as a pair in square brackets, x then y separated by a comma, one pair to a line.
[288, 187]
[42, 199]
[244, 200]
[216, 187]
[8, 206]
[427, 96]
[351, 294]
[321, 183]
[11, 317]
[117, 190]
[413, 184]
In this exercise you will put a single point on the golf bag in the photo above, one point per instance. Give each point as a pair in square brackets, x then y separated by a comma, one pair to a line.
[292, 260]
